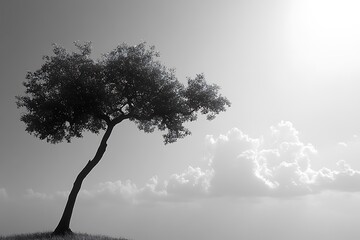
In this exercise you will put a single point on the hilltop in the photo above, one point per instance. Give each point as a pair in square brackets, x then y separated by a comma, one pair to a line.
[47, 235]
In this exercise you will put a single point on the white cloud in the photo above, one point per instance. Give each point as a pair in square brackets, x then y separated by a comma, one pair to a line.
[31, 194]
[127, 191]
[152, 191]
[193, 182]
[342, 144]
[119, 191]
[344, 179]
[233, 165]
[349, 150]
[278, 165]
[263, 166]
[3, 194]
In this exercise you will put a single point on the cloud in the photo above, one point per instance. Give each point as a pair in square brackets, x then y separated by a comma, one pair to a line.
[126, 191]
[191, 183]
[278, 165]
[31, 194]
[233, 166]
[275, 165]
[342, 144]
[349, 150]
[3, 194]
[343, 179]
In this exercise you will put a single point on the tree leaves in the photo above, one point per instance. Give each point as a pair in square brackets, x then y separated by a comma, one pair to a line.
[72, 93]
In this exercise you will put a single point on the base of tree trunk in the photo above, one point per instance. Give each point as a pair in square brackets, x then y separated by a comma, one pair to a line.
[62, 232]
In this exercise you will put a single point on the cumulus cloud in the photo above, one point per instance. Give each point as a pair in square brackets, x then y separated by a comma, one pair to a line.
[191, 183]
[342, 179]
[3, 194]
[278, 165]
[234, 171]
[262, 166]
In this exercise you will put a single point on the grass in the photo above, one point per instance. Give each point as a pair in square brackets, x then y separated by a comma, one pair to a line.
[47, 235]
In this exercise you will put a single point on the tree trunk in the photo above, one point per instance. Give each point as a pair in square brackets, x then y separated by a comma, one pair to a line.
[64, 225]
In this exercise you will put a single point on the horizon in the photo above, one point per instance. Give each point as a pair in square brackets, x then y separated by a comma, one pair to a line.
[281, 163]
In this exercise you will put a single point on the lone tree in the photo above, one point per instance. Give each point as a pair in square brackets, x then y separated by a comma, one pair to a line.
[72, 93]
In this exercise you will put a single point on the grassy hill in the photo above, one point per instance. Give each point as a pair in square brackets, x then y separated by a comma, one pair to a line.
[47, 235]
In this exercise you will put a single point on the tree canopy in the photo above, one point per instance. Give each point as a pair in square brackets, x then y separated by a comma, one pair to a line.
[72, 93]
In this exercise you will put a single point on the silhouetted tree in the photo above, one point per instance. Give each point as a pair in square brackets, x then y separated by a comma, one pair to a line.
[72, 93]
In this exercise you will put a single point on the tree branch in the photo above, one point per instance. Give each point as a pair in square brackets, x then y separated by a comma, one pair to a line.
[118, 119]
[104, 117]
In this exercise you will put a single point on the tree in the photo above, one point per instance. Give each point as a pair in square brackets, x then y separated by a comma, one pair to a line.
[72, 93]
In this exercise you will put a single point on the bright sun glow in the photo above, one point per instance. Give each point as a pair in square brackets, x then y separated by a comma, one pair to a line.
[324, 36]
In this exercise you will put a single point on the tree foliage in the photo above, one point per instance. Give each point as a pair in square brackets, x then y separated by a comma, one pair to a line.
[72, 93]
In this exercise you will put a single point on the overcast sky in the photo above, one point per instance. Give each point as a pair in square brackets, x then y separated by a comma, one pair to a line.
[281, 163]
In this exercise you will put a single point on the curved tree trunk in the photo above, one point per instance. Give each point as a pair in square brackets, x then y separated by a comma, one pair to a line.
[64, 225]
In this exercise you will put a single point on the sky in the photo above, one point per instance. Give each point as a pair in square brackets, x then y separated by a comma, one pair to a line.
[281, 163]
